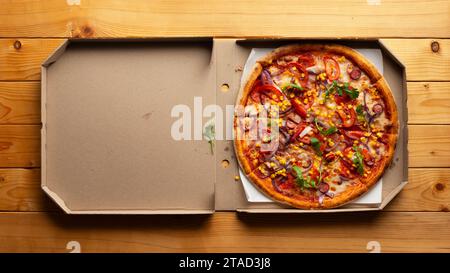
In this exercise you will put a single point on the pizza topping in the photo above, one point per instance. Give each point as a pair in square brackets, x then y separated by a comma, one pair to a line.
[299, 108]
[354, 72]
[270, 92]
[294, 118]
[306, 59]
[331, 68]
[344, 90]
[301, 181]
[324, 187]
[292, 85]
[315, 143]
[266, 79]
[324, 129]
[378, 109]
[358, 160]
[299, 71]
[332, 125]
[305, 131]
[348, 117]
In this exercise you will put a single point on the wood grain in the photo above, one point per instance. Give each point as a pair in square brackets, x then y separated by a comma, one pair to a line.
[429, 146]
[226, 232]
[20, 102]
[402, 227]
[429, 102]
[422, 63]
[20, 145]
[20, 190]
[23, 62]
[427, 190]
[103, 18]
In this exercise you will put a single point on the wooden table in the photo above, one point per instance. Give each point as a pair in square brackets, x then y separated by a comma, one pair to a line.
[416, 31]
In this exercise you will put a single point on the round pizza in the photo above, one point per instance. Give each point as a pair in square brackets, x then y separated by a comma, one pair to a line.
[315, 125]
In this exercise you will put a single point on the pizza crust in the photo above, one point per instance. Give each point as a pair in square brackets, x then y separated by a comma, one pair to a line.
[359, 187]
[239, 142]
[349, 53]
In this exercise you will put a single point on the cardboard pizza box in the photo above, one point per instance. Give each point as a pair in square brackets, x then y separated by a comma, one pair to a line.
[109, 114]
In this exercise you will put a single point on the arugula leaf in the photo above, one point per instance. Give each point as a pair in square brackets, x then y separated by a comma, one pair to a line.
[298, 172]
[353, 94]
[328, 131]
[320, 173]
[334, 87]
[331, 88]
[293, 85]
[209, 132]
[302, 182]
[316, 145]
[358, 160]
[359, 109]
[360, 112]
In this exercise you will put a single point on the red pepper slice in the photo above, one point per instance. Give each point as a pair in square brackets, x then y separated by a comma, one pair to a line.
[269, 89]
[366, 154]
[331, 68]
[299, 108]
[288, 184]
[306, 59]
[347, 122]
[355, 134]
[343, 170]
[298, 130]
[254, 94]
[314, 174]
[300, 71]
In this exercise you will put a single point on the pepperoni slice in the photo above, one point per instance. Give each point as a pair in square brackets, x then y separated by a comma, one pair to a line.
[324, 187]
[355, 74]
[378, 109]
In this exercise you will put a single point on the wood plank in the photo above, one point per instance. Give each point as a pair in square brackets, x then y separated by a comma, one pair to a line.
[20, 59]
[20, 102]
[103, 18]
[429, 146]
[226, 232]
[427, 190]
[20, 190]
[422, 63]
[20, 146]
[429, 102]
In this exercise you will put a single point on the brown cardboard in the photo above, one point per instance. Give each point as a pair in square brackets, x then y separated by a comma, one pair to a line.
[94, 93]
[106, 120]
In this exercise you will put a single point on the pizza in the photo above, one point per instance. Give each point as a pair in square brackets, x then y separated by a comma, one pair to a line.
[315, 125]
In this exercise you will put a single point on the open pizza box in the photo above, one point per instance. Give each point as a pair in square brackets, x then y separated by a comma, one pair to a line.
[125, 126]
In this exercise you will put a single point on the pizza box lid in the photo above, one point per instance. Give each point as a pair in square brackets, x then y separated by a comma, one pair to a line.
[106, 127]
